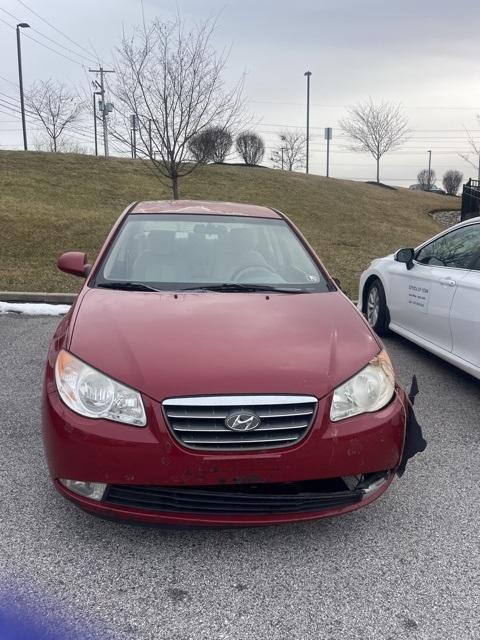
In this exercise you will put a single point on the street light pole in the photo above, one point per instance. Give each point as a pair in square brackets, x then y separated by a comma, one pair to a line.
[429, 169]
[308, 74]
[21, 25]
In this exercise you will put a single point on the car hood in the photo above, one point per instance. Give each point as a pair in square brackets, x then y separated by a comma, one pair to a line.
[168, 345]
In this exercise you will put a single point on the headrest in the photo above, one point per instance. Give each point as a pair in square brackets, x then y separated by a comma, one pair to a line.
[161, 240]
[243, 237]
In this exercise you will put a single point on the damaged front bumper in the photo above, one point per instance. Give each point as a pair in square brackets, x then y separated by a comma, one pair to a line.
[414, 440]
[237, 505]
[149, 477]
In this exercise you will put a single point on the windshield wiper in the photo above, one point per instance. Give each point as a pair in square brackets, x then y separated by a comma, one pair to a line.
[226, 286]
[127, 286]
[238, 287]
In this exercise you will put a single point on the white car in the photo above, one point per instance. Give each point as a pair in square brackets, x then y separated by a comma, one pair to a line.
[430, 295]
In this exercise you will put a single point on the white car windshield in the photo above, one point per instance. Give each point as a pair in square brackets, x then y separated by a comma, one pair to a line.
[191, 251]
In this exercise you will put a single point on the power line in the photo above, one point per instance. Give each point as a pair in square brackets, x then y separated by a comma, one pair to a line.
[42, 44]
[7, 23]
[59, 53]
[414, 138]
[11, 102]
[56, 29]
[9, 99]
[35, 120]
[31, 117]
[292, 126]
[59, 44]
[14, 84]
[345, 106]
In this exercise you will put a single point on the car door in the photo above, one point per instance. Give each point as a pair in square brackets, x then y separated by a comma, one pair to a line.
[465, 312]
[421, 297]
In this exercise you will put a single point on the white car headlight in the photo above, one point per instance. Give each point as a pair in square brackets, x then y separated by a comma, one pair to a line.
[369, 390]
[94, 395]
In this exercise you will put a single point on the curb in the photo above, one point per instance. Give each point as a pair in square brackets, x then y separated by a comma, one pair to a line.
[35, 296]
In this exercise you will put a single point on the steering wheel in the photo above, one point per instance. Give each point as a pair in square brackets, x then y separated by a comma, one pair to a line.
[239, 273]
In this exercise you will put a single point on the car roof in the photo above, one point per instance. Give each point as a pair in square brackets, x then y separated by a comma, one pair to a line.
[204, 206]
[465, 223]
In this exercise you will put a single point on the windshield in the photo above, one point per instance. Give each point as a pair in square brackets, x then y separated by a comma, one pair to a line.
[193, 251]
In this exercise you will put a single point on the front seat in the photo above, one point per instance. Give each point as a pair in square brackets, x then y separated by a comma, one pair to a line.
[160, 262]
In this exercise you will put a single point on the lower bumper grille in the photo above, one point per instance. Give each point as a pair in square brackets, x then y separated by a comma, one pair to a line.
[265, 499]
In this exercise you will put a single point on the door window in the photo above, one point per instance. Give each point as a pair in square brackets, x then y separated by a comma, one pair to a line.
[458, 249]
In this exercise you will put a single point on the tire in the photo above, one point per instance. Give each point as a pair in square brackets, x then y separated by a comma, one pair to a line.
[376, 310]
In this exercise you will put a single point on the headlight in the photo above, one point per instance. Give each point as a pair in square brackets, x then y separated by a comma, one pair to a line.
[94, 395]
[371, 389]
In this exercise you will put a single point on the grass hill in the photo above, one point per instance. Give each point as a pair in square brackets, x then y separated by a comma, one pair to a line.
[50, 203]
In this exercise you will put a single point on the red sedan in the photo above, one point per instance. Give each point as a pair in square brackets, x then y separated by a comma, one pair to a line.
[210, 372]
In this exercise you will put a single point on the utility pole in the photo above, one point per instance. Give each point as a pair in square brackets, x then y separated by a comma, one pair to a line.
[283, 149]
[95, 94]
[429, 169]
[95, 121]
[105, 108]
[308, 74]
[21, 25]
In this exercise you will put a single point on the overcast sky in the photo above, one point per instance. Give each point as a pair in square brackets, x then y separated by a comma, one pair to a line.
[424, 55]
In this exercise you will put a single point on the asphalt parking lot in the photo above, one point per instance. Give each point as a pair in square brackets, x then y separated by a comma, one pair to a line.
[407, 566]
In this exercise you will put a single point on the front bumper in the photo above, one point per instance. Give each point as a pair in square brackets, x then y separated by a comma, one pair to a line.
[148, 515]
[102, 451]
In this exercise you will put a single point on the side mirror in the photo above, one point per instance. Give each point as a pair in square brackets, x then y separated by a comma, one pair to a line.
[406, 256]
[75, 263]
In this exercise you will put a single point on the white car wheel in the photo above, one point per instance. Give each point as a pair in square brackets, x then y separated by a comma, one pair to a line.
[373, 306]
[376, 307]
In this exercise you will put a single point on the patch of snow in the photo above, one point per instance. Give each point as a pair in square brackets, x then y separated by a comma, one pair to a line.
[34, 309]
[447, 218]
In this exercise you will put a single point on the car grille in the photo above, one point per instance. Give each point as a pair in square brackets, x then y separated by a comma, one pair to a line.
[311, 496]
[199, 423]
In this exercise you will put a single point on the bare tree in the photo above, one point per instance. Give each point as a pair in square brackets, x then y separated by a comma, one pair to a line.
[250, 147]
[474, 150]
[43, 142]
[290, 150]
[170, 78]
[375, 128]
[57, 108]
[426, 179]
[452, 179]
